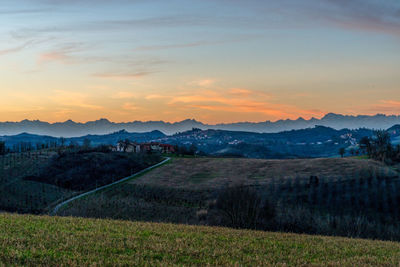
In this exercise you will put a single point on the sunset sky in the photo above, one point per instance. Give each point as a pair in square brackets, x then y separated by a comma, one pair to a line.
[211, 60]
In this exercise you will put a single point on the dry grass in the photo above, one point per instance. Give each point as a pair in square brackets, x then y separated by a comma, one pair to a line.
[56, 241]
[211, 172]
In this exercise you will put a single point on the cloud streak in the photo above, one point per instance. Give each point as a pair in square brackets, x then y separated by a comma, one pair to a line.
[359, 15]
[61, 54]
[240, 101]
[73, 99]
[122, 75]
[14, 49]
[364, 15]
[386, 106]
[23, 11]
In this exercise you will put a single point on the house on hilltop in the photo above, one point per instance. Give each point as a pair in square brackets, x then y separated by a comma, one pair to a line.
[128, 146]
[133, 147]
[153, 146]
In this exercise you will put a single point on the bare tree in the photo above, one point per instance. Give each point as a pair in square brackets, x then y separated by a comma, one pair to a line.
[2, 148]
[342, 151]
[242, 207]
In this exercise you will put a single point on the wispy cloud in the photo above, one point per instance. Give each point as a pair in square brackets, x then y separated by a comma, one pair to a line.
[386, 107]
[129, 106]
[123, 95]
[359, 15]
[242, 38]
[61, 54]
[203, 82]
[122, 75]
[170, 46]
[377, 16]
[240, 92]
[14, 49]
[54, 56]
[72, 99]
[113, 25]
[365, 15]
[381, 16]
[155, 96]
[24, 11]
[240, 101]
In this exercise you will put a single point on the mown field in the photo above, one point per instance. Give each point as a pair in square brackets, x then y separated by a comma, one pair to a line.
[60, 241]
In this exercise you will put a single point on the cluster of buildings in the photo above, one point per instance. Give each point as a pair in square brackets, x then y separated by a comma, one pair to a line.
[133, 147]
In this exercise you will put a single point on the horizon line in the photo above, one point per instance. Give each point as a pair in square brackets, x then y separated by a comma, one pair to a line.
[193, 119]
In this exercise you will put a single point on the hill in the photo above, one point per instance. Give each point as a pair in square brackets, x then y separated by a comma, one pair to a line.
[352, 197]
[319, 141]
[103, 126]
[112, 138]
[20, 195]
[316, 142]
[33, 182]
[55, 241]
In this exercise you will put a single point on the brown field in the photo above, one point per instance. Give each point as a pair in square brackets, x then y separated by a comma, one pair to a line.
[211, 172]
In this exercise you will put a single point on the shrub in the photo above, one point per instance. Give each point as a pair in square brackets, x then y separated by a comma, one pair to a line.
[242, 207]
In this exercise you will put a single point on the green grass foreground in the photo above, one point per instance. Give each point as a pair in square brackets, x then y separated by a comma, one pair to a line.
[65, 241]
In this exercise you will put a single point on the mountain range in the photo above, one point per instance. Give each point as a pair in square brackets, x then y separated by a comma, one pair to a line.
[319, 141]
[103, 126]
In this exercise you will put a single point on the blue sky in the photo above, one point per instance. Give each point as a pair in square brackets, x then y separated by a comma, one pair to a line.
[212, 60]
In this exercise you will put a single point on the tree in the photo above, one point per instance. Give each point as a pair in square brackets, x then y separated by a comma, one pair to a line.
[383, 145]
[192, 150]
[2, 148]
[242, 207]
[379, 147]
[181, 150]
[366, 146]
[342, 151]
[62, 141]
[397, 153]
[86, 143]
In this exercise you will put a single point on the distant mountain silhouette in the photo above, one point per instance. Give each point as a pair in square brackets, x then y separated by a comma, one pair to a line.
[112, 138]
[104, 126]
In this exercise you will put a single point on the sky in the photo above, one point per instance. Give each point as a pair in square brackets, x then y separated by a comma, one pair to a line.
[210, 60]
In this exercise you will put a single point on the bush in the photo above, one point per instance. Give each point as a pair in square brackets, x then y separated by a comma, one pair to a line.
[242, 207]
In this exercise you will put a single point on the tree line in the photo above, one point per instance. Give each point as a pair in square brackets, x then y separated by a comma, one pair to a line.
[380, 147]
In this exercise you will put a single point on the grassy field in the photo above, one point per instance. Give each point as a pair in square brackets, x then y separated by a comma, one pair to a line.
[57, 241]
